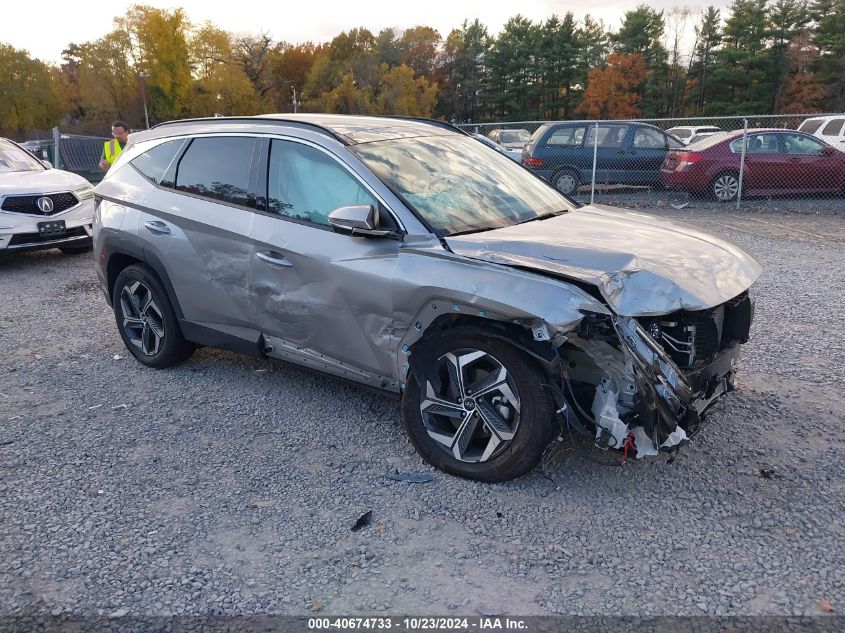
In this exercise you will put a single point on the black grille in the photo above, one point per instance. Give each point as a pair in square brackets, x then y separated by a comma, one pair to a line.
[27, 204]
[35, 238]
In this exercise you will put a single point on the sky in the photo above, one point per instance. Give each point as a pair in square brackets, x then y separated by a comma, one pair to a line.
[45, 27]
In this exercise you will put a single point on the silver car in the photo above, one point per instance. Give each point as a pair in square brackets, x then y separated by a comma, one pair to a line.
[403, 255]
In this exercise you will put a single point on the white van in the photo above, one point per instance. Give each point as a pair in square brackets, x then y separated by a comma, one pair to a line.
[830, 129]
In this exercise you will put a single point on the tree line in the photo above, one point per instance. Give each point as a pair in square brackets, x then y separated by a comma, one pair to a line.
[758, 57]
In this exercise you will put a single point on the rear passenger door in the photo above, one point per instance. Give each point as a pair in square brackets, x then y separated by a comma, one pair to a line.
[324, 299]
[611, 153]
[197, 224]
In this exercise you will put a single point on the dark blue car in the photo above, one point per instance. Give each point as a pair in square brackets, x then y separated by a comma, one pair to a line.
[627, 153]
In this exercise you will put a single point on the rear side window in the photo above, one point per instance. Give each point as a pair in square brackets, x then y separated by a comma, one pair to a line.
[764, 143]
[810, 125]
[608, 135]
[647, 138]
[218, 168]
[155, 162]
[834, 128]
[567, 136]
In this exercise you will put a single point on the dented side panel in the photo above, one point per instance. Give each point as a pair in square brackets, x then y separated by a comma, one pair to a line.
[431, 281]
[334, 296]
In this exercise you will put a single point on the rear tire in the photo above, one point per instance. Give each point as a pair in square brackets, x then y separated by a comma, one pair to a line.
[566, 181]
[725, 186]
[510, 420]
[146, 320]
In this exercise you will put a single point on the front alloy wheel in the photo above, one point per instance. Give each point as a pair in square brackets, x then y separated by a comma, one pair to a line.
[473, 413]
[479, 410]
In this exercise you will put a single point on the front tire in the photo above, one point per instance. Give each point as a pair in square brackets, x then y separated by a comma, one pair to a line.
[76, 250]
[482, 413]
[146, 320]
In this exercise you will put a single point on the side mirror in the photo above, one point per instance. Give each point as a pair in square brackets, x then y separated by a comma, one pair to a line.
[828, 151]
[47, 164]
[359, 220]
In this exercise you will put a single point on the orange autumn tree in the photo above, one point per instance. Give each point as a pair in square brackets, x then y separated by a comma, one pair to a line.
[613, 92]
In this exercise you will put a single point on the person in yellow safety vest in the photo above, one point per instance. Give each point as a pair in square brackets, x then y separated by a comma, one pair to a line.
[112, 148]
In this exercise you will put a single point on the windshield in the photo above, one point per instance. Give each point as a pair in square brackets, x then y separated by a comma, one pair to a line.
[514, 136]
[13, 158]
[457, 185]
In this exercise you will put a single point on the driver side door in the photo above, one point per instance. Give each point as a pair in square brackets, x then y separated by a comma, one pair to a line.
[320, 298]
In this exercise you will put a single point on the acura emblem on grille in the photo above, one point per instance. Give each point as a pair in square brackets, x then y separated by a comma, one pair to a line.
[44, 204]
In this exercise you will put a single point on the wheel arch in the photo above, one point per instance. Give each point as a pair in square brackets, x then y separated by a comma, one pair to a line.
[122, 258]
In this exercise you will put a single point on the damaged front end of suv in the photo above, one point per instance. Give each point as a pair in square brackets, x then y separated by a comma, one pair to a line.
[648, 381]
[635, 340]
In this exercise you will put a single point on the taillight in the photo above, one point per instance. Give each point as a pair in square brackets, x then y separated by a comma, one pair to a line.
[688, 160]
[530, 161]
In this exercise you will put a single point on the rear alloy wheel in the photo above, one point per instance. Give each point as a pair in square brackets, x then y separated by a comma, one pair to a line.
[725, 187]
[146, 321]
[566, 182]
[481, 413]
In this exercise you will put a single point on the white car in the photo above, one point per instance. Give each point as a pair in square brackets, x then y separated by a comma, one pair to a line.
[41, 207]
[830, 129]
[686, 133]
[514, 154]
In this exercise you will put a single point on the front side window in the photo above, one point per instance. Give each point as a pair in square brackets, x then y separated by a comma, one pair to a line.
[567, 136]
[608, 135]
[306, 184]
[800, 144]
[455, 185]
[680, 132]
[646, 138]
[217, 167]
[13, 158]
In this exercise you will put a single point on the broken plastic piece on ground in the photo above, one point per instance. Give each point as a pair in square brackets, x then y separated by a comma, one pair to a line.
[363, 521]
[411, 478]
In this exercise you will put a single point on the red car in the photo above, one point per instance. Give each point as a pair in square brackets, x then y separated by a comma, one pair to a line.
[777, 162]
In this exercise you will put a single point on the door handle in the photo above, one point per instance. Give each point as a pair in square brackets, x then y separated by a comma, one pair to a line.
[794, 159]
[157, 227]
[274, 259]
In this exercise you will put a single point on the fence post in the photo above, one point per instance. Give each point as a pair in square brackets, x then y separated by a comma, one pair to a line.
[742, 161]
[57, 157]
[595, 153]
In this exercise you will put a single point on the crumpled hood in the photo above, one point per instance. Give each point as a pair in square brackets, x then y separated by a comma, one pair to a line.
[642, 265]
[47, 181]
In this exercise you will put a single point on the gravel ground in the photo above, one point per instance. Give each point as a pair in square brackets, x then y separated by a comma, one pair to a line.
[229, 485]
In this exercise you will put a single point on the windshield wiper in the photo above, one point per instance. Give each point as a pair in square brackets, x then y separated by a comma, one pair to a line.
[474, 229]
[544, 216]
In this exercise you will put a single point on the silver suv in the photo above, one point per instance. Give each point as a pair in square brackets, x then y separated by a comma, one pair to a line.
[404, 255]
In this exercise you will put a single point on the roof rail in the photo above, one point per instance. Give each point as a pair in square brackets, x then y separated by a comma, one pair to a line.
[422, 119]
[266, 120]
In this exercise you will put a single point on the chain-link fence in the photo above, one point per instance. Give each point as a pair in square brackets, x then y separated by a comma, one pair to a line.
[723, 159]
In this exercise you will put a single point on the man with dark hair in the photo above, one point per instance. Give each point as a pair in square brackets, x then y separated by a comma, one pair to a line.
[112, 148]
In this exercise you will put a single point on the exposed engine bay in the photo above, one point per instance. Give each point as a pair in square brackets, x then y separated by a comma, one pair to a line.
[644, 383]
